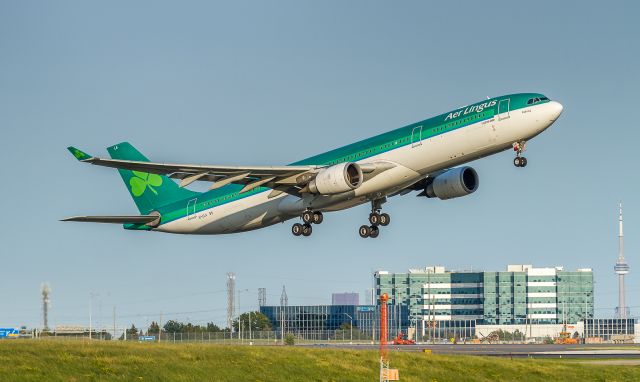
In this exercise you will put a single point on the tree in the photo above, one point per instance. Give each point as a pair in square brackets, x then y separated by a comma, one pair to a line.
[211, 327]
[503, 335]
[345, 326]
[518, 335]
[154, 329]
[173, 326]
[289, 339]
[259, 322]
[132, 333]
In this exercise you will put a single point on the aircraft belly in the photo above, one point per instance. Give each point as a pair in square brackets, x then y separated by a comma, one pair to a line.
[253, 212]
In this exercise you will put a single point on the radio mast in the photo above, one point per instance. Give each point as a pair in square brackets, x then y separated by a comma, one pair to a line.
[45, 306]
[231, 292]
[262, 296]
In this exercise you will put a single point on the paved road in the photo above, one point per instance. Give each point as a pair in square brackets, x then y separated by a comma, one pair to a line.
[515, 350]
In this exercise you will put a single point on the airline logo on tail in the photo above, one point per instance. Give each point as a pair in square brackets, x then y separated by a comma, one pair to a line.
[79, 154]
[140, 181]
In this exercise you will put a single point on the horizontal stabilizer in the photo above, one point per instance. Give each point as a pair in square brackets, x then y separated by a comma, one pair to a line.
[138, 219]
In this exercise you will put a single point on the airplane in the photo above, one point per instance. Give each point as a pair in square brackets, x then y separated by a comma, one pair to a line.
[423, 156]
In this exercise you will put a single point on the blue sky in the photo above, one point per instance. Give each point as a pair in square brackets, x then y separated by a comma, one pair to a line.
[268, 83]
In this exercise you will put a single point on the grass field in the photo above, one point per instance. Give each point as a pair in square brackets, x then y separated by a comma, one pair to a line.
[52, 360]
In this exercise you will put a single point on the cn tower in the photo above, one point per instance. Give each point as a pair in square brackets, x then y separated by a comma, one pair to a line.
[621, 268]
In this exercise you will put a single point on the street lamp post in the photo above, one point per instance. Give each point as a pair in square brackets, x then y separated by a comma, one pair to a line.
[91, 296]
[240, 316]
[350, 326]
[414, 323]
[586, 314]
[414, 315]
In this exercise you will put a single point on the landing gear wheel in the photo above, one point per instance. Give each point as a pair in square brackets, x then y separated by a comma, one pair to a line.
[385, 219]
[374, 232]
[306, 230]
[297, 229]
[307, 217]
[519, 160]
[317, 217]
[364, 231]
[374, 218]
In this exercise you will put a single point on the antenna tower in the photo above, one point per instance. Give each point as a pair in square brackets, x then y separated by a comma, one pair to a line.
[231, 292]
[262, 296]
[284, 300]
[45, 305]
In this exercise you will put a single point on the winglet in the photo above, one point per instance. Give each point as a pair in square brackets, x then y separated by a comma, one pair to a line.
[79, 154]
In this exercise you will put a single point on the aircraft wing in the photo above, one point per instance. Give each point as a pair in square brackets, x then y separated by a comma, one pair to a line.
[282, 179]
[138, 219]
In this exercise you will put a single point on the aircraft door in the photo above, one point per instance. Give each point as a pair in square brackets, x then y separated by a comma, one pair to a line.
[416, 136]
[191, 209]
[503, 109]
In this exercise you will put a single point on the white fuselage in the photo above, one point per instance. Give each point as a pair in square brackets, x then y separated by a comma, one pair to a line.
[411, 164]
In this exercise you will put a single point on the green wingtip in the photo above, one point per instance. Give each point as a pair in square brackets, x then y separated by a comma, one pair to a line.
[79, 154]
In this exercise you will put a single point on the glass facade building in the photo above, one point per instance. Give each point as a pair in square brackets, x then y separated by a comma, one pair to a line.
[317, 318]
[606, 328]
[520, 295]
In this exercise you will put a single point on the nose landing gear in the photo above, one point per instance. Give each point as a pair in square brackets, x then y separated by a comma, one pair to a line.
[519, 160]
[308, 217]
[376, 219]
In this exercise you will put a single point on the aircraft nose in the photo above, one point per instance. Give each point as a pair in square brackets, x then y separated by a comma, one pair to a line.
[555, 109]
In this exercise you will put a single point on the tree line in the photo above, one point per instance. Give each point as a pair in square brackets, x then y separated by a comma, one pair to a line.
[254, 321]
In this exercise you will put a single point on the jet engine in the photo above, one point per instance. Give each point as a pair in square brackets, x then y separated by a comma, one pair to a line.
[454, 183]
[337, 179]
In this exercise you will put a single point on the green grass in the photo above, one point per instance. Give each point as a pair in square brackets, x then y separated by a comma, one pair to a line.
[50, 360]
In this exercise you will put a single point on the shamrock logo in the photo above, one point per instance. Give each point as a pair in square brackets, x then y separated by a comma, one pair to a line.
[141, 180]
[78, 154]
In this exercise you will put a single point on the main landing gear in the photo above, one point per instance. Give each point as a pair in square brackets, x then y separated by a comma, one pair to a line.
[376, 219]
[519, 160]
[308, 217]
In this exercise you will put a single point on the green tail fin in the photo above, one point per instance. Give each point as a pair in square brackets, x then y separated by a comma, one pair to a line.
[79, 154]
[149, 191]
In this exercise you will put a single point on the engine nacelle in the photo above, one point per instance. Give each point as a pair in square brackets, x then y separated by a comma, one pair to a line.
[336, 179]
[454, 183]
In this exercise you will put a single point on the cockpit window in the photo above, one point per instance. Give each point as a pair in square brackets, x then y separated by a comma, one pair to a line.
[532, 101]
